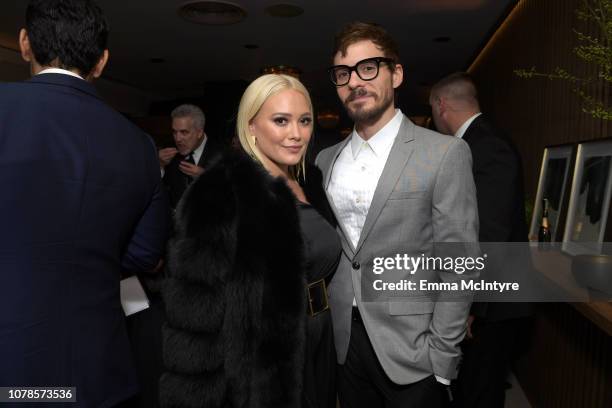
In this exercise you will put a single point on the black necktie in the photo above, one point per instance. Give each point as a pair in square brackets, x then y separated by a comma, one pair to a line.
[189, 159]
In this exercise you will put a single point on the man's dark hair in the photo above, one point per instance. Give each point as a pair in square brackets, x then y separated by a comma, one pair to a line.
[359, 31]
[459, 86]
[67, 34]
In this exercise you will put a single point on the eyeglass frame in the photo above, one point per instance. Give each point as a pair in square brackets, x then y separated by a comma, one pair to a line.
[378, 60]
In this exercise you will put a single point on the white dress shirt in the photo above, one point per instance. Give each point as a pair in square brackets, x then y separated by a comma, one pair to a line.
[355, 175]
[197, 153]
[461, 131]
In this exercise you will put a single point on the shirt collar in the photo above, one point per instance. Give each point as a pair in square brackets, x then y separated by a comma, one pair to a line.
[59, 71]
[198, 151]
[461, 131]
[381, 141]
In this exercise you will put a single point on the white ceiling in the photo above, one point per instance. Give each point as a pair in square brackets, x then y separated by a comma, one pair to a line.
[195, 54]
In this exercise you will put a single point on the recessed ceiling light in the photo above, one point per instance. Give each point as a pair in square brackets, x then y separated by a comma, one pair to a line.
[284, 10]
[212, 12]
[442, 39]
[251, 46]
[282, 69]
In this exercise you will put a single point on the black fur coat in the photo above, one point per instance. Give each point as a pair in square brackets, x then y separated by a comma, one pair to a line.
[234, 296]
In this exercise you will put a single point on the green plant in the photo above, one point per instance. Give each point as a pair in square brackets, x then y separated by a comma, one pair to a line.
[595, 50]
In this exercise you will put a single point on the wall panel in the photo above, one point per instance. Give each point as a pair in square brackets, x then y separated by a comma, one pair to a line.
[569, 360]
[537, 112]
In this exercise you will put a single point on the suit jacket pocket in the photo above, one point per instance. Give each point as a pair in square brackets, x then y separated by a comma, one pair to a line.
[404, 195]
[411, 307]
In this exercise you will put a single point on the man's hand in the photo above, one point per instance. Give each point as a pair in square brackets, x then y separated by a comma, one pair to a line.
[166, 155]
[190, 169]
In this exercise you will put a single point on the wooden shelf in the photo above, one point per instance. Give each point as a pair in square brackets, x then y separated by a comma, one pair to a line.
[557, 267]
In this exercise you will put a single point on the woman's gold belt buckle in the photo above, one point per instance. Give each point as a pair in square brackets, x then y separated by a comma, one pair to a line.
[317, 297]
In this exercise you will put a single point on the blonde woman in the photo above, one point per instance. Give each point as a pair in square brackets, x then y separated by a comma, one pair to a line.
[248, 323]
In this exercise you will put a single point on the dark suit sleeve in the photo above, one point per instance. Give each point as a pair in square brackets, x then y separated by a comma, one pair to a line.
[149, 239]
[499, 184]
[496, 173]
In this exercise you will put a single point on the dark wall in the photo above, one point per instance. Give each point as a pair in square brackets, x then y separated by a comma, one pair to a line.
[537, 112]
[568, 362]
[219, 101]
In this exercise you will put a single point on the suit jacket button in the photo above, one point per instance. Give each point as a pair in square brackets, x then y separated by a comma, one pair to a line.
[356, 265]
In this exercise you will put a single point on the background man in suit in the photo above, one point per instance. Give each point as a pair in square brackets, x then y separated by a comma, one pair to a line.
[82, 201]
[499, 185]
[181, 164]
[395, 188]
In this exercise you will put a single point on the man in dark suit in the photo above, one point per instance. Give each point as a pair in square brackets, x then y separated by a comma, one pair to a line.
[497, 169]
[181, 164]
[81, 201]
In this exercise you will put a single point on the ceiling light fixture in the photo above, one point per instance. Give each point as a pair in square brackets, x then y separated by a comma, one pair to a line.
[282, 69]
[212, 12]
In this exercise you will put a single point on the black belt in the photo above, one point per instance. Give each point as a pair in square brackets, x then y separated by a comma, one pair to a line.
[317, 297]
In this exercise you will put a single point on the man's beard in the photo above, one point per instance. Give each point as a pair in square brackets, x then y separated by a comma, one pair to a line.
[372, 115]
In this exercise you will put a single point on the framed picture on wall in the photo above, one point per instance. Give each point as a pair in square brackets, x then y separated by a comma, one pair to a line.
[589, 203]
[552, 186]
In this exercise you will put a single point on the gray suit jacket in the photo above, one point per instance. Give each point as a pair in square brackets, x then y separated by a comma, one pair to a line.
[425, 196]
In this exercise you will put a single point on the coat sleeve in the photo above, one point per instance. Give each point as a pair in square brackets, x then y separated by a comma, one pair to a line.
[496, 165]
[202, 249]
[455, 226]
[200, 257]
[148, 242]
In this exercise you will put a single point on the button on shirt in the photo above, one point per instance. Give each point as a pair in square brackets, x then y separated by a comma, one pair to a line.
[355, 175]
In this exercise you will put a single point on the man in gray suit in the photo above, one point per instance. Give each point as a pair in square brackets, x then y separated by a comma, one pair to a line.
[395, 189]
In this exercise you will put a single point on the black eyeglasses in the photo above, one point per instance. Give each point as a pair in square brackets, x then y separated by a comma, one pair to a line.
[366, 69]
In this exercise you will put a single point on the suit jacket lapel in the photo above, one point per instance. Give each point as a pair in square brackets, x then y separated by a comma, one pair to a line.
[398, 157]
[346, 243]
[330, 166]
[202, 160]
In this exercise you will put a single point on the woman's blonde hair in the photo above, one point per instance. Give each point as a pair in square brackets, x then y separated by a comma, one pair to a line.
[251, 102]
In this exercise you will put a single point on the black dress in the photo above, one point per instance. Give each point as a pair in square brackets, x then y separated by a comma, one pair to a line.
[321, 255]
